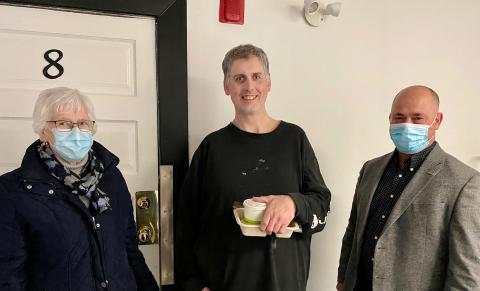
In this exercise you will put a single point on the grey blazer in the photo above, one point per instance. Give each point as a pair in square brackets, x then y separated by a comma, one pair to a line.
[431, 241]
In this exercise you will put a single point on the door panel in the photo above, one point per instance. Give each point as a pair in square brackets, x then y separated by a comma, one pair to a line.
[109, 58]
[110, 62]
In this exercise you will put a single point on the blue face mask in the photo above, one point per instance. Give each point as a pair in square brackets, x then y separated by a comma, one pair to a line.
[410, 138]
[72, 145]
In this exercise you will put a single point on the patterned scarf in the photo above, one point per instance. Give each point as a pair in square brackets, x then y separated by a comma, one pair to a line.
[84, 185]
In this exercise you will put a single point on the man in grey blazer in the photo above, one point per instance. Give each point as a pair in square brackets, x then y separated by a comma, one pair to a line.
[415, 218]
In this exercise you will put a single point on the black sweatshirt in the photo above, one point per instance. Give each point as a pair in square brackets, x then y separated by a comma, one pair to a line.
[233, 165]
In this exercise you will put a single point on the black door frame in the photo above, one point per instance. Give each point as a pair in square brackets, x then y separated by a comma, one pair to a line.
[171, 46]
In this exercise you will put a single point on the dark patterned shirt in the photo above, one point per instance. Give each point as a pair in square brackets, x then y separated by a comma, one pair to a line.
[391, 185]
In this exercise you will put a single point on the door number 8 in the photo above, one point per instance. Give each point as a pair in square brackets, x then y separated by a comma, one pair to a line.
[53, 63]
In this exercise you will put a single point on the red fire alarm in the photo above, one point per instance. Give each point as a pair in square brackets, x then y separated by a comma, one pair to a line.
[231, 11]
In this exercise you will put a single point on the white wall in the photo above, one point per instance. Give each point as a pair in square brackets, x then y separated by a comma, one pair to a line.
[337, 81]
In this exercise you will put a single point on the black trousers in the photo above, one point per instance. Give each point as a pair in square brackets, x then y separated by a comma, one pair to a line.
[364, 283]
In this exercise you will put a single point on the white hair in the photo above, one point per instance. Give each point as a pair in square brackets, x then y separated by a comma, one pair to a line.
[59, 99]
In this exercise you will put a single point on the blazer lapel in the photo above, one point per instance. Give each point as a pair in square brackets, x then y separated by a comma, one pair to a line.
[366, 190]
[430, 167]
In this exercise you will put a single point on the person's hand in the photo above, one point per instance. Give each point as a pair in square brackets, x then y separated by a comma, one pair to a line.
[279, 213]
[340, 287]
[205, 289]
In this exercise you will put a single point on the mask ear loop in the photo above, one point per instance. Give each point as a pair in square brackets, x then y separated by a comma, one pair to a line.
[434, 119]
[44, 142]
[430, 140]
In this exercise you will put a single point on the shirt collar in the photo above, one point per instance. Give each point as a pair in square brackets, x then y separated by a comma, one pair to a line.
[415, 160]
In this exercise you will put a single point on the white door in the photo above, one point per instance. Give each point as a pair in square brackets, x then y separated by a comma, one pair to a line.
[109, 58]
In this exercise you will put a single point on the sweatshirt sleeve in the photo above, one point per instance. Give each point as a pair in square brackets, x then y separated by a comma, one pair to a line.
[187, 269]
[313, 202]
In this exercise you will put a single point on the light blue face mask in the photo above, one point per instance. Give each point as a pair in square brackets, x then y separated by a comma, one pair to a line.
[72, 145]
[410, 138]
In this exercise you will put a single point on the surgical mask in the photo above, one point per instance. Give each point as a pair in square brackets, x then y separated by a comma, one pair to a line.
[72, 145]
[410, 138]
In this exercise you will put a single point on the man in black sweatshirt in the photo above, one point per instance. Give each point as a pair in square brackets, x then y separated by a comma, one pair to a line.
[255, 155]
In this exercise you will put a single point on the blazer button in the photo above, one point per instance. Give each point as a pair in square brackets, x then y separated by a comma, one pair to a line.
[103, 284]
[50, 192]
[29, 187]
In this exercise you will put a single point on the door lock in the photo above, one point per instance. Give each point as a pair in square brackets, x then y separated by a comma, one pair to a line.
[143, 202]
[145, 234]
[146, 212]
[154, 218]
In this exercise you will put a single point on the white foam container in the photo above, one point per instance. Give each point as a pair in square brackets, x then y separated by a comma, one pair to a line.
[254, 230]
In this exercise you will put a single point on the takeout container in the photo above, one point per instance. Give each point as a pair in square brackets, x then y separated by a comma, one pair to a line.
[254, 230]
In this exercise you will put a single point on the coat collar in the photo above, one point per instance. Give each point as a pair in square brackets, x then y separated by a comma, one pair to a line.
[33, 168]
[367, 188]
[33, 171]
[430, 167]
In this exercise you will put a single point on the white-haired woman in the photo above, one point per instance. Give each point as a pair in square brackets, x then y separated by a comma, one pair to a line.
[66, 219]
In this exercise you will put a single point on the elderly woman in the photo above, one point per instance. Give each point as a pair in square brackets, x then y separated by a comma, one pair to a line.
[66, 218]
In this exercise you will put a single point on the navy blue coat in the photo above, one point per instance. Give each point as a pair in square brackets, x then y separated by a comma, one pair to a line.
[49, 240]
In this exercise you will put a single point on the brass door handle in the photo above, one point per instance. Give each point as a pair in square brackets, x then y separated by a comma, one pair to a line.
[143, 202]
[145, 234]
[146, 204]
[149, 218]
